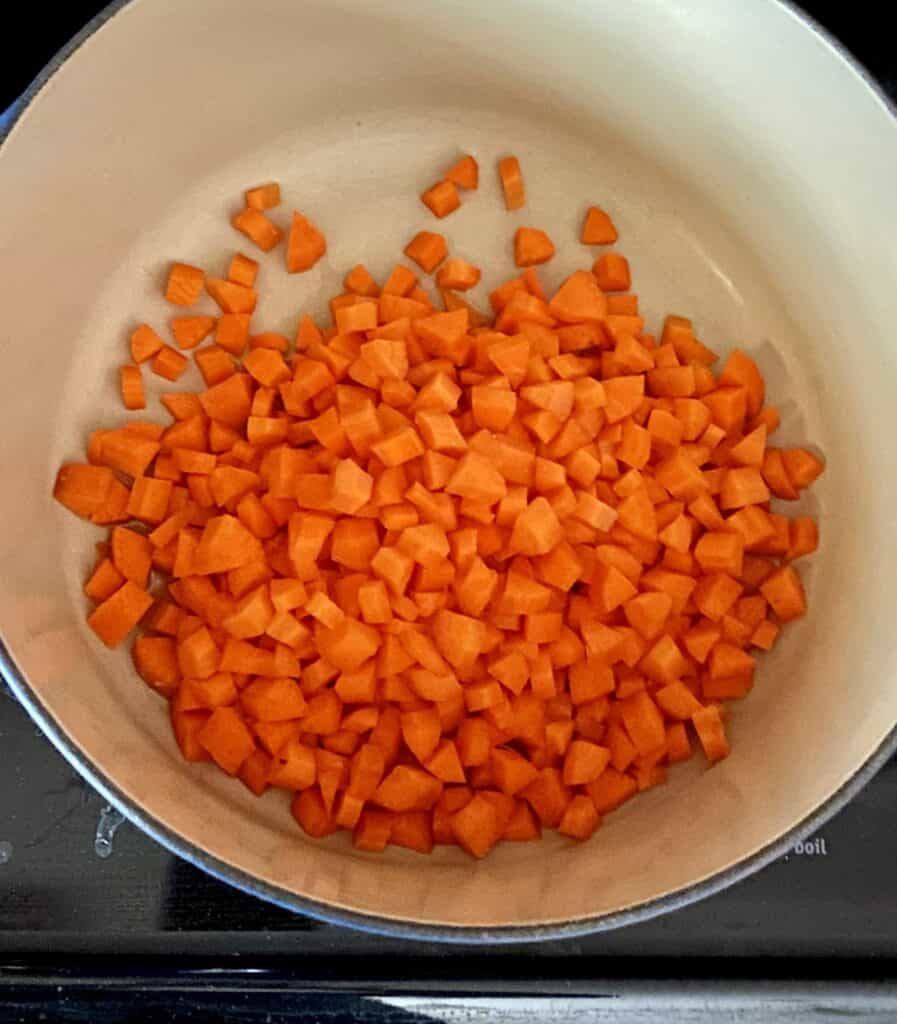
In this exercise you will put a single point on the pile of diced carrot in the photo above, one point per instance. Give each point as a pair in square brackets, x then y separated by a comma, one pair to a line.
[442, 576]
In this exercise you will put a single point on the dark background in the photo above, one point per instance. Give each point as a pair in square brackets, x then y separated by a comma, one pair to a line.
[862, 25]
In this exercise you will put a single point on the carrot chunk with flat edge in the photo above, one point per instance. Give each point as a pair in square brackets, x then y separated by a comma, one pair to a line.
[257, 228]
[580, 819]
[785, 593]
[465, 173]
[189, 331]
[532, 246]
[145, 343]
[103, 581]
[458, 275]
[427, 249]
[476, 826]
[598, 228]
[711, 732]
[184, 284]
[242, 270]
[169, 363]
[309, 811]
[305, 244]
[119, 613]
[442, 198]
[511, 178]
[802, 466]
[611, 270]
[610, 790]
[263, 197]
[83, 488]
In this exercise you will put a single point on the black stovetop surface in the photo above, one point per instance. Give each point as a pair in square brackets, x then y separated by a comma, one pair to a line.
[88, 900]
[77, 881]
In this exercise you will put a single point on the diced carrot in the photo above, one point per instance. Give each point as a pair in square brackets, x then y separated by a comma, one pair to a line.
[584, 762]
[465, 173]
[720, 552]
[263, 197]
[532, 246]
[311, 814]
[115, 617]
[802, 467]
[145, 343]
[155, 658]
[643, 722]
[511, 179]
[711, 732]
[189, 331]
[743, 486]
[548, 797]
[169, 363]
[428, 250]
[610, 790]
[104, 581]
[598, 228]
[131, 554]
[442, 198]
[580, 819]
[242, 269]
[214, 364]
[408, 789]
[83, 488]
[184, 284]
[611, 270]
[457, 275]
[256, 227]
[785, 594]
[804, 537]
[740, 371]
[305, 245]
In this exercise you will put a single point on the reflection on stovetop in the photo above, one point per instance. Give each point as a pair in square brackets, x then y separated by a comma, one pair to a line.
[74, 877]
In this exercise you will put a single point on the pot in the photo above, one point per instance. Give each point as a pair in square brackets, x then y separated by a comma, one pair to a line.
[750, 167]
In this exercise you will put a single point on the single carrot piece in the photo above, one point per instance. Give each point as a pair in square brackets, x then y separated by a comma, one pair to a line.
[598, 228]
[103, 581]
[189, 331]
[465, 173]
[227, 738]
[802, 466]
[131, 383]
[169, 363]
[263, 197]
[145, 343]
[305, 245]
[442, 198]
[532, 246]
[511, 182]
[115, 617]
[427, 249]
[242, 270]
[580, 819]
[458, 275]
[184, 285]
[611, 270]
[257, 228]
[711, 732]
[785, 594]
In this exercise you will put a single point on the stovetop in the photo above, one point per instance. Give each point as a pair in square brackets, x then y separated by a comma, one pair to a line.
[88, 903]
[78, 882]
